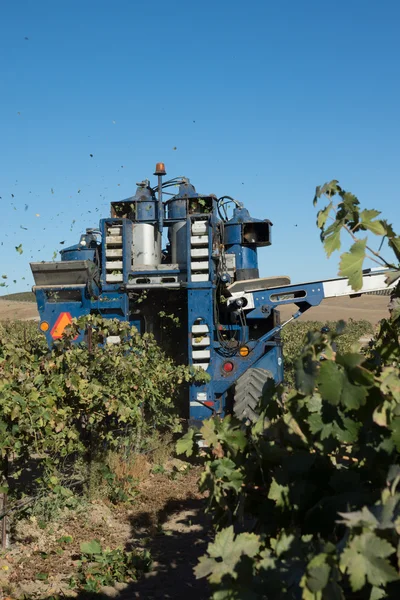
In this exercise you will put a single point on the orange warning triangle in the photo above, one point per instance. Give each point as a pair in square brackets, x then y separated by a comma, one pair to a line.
[64, 319]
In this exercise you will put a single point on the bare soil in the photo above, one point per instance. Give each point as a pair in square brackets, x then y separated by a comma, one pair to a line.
[167, 518]
[10, 310]
[370, 308]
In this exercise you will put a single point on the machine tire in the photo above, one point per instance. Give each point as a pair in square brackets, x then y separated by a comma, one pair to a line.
[248, 391]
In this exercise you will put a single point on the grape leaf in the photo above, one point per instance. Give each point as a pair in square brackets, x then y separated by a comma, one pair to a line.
[364, 560]
[330, 382]
[208, 431]
[351, 264]
[367, 217]
[331, 238]
[228, 550]
[92, 547]
[323, 215]
[185, 443]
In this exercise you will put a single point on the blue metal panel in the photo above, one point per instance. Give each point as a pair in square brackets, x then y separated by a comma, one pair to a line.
[200, 306]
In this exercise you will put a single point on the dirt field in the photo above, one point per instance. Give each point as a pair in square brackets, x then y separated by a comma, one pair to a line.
[370, 308]
[24, 311]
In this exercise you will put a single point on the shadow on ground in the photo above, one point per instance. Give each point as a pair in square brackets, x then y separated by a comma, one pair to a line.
[179, 536]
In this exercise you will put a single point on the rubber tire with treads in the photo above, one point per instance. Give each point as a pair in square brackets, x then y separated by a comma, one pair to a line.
[248, 391]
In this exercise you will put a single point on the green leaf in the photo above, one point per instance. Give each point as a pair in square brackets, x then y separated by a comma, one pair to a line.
[205, 567]
[318, 572]
[283, 543]
[19, 249]
[351, 264]
[353, 396]
[367, 217]
[392, 276]
[330, 382]
[185, 444]
[209, 432]
[394, 243]
[92, 547]
[306, 373]
[359, 518]
[279, 493]
[331, 238]
[377, 593]
[323, 215]
[329, 189]
[364, 560]
[226, 552]
[42, 576]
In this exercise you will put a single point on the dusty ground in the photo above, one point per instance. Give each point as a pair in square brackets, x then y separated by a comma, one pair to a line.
[11, 310]
[167, 518]
[370, 308]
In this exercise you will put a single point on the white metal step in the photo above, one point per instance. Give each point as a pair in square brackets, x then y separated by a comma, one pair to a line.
[114, 264]
[203, 328]
[199, 240]
[114, 239]
[201, 354]
[203, 366]
[113, 252]
[114, 230]
[200, 277]
[199, 252]
[201, 341]
[114, 278]
[199, 227]
[199, 265]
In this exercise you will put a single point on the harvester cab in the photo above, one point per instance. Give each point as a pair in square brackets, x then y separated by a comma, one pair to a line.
[226, 317]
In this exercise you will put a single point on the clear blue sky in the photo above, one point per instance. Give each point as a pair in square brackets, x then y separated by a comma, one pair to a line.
[262, 100]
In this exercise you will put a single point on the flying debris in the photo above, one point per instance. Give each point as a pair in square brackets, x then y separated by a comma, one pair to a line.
[26, 206]
[91, 155]
[19, 249]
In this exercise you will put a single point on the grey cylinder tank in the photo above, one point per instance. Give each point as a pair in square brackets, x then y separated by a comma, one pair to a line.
[146, 245]
[146, 238]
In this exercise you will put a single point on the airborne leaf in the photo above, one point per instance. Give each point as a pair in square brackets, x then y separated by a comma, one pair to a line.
[19, 249]
[351, 264]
